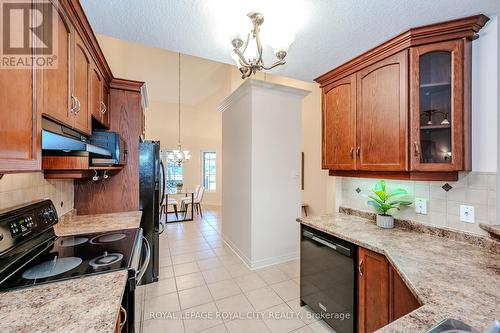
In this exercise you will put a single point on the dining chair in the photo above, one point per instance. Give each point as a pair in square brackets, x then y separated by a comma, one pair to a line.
[197, 201]
[188, 198]
[164, 207]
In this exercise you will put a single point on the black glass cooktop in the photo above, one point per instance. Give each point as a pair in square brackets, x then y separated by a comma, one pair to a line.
[73, 256]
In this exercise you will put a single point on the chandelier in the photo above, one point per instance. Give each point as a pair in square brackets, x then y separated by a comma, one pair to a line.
[248, 54]
[179, 156]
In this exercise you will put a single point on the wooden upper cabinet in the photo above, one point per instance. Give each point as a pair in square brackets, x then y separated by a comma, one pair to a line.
[339, 124]
[19, 121]
[413, 106]
[81, 86]
[373, 291]
[56, 84]
[96, 93]
[439, 114]
[382, 106]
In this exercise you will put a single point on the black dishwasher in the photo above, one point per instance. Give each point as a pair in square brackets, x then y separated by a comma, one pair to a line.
[328, 278]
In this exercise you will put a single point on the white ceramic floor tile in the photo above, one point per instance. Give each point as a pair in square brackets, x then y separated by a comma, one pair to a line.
[287, 290]
[189, 281]
[163, 325]
[162, 287]
[209, 263]
[222, 289]
[163, 303]
[201, 317]
[184, 269]
[250, 282]
[282, 319]
[263, 298]
[321, 327]
[216, 274]
[216, 329]
[273, 275]
[246, 326]
[234, 304]
[194, 296]
[183, 258]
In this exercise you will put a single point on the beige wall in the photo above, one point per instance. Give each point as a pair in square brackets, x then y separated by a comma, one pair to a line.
[204, 85]
[16, 189]
[319, 188]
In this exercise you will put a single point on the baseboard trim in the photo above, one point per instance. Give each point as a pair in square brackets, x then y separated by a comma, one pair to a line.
[258, 264]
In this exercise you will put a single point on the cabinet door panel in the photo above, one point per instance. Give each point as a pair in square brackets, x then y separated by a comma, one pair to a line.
[56, 85]
[81, 86]
[402, 299]
[105, 99]
[339, 124]
[19, 125]
[373, 289]
[437, 107]
[382, 106]
[96, 94]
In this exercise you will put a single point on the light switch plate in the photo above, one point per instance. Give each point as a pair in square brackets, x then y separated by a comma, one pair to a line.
[421, 206]
[467, 213]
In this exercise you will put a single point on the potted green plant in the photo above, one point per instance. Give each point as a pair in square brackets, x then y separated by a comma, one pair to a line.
[179, 186]
[384, 201]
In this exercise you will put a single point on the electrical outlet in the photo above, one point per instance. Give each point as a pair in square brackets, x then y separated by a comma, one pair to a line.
[421, 206]
[467, 213]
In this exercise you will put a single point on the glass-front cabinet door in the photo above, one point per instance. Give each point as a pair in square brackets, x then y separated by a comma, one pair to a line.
[437, 106]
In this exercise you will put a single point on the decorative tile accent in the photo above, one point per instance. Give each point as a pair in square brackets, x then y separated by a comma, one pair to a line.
[447, 187]
[358, 190]
[443, 201]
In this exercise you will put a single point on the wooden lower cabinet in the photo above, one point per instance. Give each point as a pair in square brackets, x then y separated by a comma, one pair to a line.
[401, 300]
[382, 295]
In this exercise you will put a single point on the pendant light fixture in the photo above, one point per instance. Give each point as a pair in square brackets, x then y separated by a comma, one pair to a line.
[179, 156]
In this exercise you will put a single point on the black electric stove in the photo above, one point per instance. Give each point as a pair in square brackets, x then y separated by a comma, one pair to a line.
[32, 254]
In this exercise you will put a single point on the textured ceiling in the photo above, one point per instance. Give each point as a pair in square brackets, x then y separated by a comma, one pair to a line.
[328, 32]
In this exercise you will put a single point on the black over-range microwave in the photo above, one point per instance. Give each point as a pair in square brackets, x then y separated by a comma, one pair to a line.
[112, 142]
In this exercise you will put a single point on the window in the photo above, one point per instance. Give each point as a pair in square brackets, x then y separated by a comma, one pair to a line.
[173, 171]
[209, 170]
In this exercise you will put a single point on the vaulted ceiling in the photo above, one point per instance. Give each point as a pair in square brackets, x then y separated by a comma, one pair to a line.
[328, 32]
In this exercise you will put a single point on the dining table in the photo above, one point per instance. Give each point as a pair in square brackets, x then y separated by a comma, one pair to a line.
[184, 212]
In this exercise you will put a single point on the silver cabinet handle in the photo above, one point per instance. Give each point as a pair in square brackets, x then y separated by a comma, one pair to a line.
[73, 104]
[140, 272]
[358, 150]
[102, 107]
[78, 106]
[351, 152]
[417, 150]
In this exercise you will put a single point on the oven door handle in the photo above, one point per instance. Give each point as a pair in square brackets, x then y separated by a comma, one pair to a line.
[139, 274]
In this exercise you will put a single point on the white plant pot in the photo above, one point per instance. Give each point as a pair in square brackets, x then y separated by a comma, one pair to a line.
[385, 221]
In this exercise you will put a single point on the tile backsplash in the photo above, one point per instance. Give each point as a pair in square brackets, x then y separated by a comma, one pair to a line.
[21, 188]
[477, 189]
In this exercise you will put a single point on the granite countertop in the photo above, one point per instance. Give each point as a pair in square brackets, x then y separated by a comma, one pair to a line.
[450, 278]
[84, 304]
[71, 224]
[87, 304]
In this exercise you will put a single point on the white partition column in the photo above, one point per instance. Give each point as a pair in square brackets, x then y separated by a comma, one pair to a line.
[261, 148]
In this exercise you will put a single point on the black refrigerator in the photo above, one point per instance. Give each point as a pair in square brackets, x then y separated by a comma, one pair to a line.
[151, 194]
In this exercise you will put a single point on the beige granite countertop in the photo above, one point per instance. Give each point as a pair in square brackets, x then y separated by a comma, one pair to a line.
[87, 304]
[451, 279]
[71, 224]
